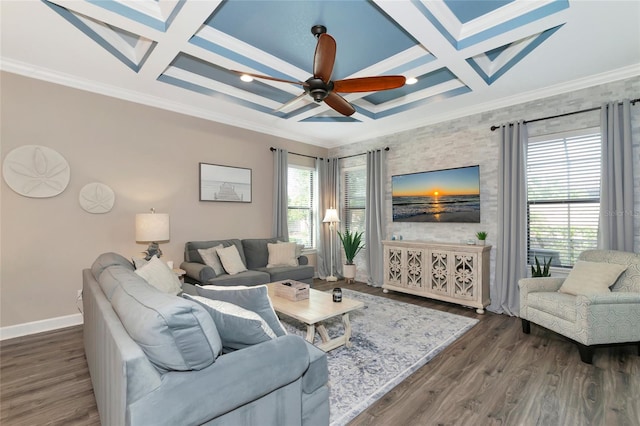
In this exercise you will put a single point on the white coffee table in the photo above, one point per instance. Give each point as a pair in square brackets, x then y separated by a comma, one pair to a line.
[312, 311]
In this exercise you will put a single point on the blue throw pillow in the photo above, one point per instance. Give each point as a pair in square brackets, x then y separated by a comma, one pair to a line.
[174, 333]
[255, 299]
[238, 327]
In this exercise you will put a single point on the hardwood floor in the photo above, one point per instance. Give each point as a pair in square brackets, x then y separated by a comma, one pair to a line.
[492, 375]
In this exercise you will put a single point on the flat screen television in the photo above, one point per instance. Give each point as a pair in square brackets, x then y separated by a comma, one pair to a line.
[449, 195]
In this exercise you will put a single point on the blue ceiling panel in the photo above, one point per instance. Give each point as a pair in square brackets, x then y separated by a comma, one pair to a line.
[468, 10]
[283, 29]
[222, 75]
[135, 15]
[424, 82]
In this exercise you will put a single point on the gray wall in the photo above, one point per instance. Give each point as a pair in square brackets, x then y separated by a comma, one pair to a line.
[468, 141]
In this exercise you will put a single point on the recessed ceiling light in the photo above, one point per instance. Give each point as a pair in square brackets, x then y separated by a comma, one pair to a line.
[246, 78]
[411, 80]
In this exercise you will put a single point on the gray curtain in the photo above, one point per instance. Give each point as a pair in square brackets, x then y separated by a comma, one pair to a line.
[374, 216]
[280, 227]
[511, 252]
[616, 188]
[328, 172]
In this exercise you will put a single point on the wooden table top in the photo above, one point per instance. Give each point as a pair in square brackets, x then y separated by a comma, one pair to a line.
[318, 307]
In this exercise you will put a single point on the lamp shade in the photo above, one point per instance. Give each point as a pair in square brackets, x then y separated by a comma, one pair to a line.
[331, 216]
[152, 227]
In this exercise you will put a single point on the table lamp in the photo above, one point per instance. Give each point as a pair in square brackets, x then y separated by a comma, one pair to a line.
[151, 228]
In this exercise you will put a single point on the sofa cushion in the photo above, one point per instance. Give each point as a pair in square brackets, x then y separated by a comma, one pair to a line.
[256, 252]
[211, 258]
[112, 277]
[238, 327]
[231, 261]
[554, 303]
[106, 260]
[280, 273]
[191, 249]
[255, 299]
[174, 333]
[246, 278]
[282, 254]
[591, 277]
[158, 274]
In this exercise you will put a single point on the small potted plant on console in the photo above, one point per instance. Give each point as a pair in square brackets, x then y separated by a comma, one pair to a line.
[481, 236]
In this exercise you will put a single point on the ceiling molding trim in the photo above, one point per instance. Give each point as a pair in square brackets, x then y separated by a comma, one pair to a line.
[534, 95]
[135, 11]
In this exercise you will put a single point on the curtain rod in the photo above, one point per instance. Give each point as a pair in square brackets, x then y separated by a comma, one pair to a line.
[339, 158]
[633, 102]
[386, 148]
[301, 155]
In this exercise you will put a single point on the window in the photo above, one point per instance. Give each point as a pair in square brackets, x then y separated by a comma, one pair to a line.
[354, 182]
[301, 213]
[563, 184]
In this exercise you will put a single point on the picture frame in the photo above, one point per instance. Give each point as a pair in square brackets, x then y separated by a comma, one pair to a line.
[225, 183]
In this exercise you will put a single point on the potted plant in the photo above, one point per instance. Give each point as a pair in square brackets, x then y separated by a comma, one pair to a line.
[541, 272]
[481, 236]
[352, 244]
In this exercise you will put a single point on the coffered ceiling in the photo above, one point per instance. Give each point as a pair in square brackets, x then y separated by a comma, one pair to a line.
[467, 56]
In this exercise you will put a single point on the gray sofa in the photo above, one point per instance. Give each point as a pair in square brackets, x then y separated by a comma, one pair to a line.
[254, 254]
[128, 322]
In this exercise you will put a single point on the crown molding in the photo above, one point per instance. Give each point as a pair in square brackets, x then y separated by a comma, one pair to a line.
[388, 128]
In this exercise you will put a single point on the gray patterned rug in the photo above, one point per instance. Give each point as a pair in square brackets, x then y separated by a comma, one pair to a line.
[390, 340]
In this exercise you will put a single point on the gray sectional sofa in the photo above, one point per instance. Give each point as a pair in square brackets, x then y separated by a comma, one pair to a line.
[254, 254]
[154, 359]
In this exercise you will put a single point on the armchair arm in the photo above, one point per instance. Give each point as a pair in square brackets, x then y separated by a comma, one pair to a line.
[233, 380]
[613, 298]
[198, 271]
[530, 285]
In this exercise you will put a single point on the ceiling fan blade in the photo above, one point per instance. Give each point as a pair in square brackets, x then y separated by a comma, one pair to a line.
[324, 57]
[291, 102]
[340, 104]
[266, 77]
[369, 84]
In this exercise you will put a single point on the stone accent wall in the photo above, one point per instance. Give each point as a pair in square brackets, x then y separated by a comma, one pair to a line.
[469, 141]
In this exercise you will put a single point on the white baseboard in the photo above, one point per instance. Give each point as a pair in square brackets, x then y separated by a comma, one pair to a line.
[34, 327]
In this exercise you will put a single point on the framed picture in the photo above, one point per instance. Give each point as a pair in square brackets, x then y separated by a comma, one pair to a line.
[224, 183]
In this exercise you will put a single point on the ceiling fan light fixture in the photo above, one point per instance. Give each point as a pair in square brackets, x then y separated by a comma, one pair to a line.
[411, 80]
[246, 78]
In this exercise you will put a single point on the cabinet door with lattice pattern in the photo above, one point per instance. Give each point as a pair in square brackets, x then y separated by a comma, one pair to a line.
[416, 269]
[393, 266]
[465, 274]
[439, 272]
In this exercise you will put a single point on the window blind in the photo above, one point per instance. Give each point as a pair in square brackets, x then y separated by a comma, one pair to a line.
[563, 196]
[300, 211]
[354, 198]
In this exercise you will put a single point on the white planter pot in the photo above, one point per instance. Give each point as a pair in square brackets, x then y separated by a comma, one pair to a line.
[349, 272]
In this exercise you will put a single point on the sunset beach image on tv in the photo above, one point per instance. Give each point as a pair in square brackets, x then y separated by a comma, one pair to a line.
[451, 195]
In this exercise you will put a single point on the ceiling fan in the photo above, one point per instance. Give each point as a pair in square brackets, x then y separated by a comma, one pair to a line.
[320, 86]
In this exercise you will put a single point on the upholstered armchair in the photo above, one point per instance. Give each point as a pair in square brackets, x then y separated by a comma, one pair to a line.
[586, 315]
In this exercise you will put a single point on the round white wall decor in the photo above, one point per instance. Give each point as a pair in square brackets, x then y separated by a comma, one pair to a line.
[97, 198]
[36, 171]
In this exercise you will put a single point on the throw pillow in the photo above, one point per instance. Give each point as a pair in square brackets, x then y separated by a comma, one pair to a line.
[158, 274]
[255, 299]
[299, 248]
[139, 262]
[591, 277]
[282, 254]
[231, 260]
[211, 258]
[174, 333]
[237, 326]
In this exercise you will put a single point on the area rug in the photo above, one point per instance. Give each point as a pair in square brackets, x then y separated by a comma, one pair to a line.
[390, 340]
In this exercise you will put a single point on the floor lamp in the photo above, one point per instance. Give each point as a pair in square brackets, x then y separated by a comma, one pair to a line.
[331, 217]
